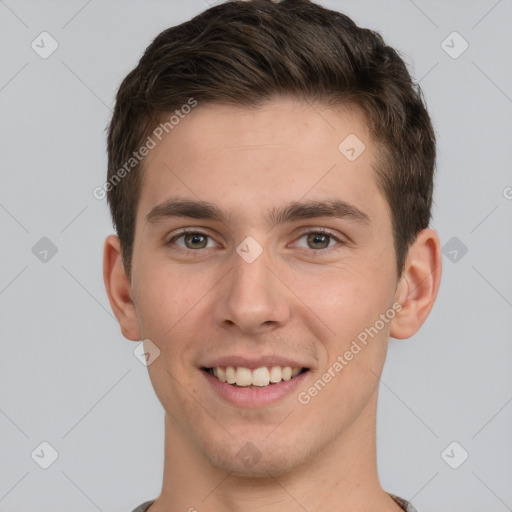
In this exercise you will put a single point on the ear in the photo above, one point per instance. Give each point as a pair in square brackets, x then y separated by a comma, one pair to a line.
[119, 289]
[418, 285]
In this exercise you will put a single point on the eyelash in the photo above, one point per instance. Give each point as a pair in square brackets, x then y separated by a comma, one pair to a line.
[323, 231]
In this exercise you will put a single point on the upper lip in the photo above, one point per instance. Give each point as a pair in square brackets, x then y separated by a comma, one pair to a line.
[253, 362]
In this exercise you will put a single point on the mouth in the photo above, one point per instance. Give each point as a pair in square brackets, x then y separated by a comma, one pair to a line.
[264, 376]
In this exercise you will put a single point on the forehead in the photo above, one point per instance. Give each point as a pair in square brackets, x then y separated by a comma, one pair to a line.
[249, 158]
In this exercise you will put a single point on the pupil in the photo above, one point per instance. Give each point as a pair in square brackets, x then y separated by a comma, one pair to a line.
[195, 240]
[318, 240]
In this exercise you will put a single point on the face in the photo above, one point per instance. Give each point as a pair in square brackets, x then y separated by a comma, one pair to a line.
[261, 251]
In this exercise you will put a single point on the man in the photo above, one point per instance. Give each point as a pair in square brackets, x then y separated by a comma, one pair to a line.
[270, 180]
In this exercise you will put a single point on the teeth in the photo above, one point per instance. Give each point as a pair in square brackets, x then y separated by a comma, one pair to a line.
[275, 374]
[259, 377]
[287, 373]
[221, 374]
[243, 376]
[230, 375]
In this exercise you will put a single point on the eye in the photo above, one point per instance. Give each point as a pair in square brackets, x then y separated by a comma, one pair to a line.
[317, 240]
[192, 240]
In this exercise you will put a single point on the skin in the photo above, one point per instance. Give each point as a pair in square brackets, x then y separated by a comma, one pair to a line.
[297, 299]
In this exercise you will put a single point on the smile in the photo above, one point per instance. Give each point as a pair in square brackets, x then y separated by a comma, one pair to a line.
[241, 376]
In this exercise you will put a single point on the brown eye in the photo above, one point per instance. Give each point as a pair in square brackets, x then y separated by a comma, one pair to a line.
[318, 240]
[195, 240]
[192, 240]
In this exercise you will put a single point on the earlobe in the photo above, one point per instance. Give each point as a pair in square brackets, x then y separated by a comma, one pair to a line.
[419, 284]
[118, 288]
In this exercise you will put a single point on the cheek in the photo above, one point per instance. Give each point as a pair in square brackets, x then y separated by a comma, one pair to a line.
[168, 304]
[351, 302]
[355, 349]
[171, 309]
[346, 300]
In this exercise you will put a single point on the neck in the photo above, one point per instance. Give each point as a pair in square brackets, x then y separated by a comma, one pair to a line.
[344, 471]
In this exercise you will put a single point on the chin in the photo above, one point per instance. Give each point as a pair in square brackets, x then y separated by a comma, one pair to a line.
[256, 458]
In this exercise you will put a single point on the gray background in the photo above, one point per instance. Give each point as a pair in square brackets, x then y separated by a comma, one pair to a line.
[69, 378]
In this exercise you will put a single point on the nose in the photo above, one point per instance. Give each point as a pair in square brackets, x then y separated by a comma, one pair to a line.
[252, 298]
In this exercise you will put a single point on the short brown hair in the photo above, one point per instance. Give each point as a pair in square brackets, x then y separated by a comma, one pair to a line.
[248, 52]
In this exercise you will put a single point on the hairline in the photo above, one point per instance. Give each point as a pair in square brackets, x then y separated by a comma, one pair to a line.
[337, 103]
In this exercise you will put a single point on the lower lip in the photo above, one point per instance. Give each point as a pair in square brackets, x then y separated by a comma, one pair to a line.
[254, 397]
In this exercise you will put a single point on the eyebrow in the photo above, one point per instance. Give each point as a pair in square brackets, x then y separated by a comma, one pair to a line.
[197, 209]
